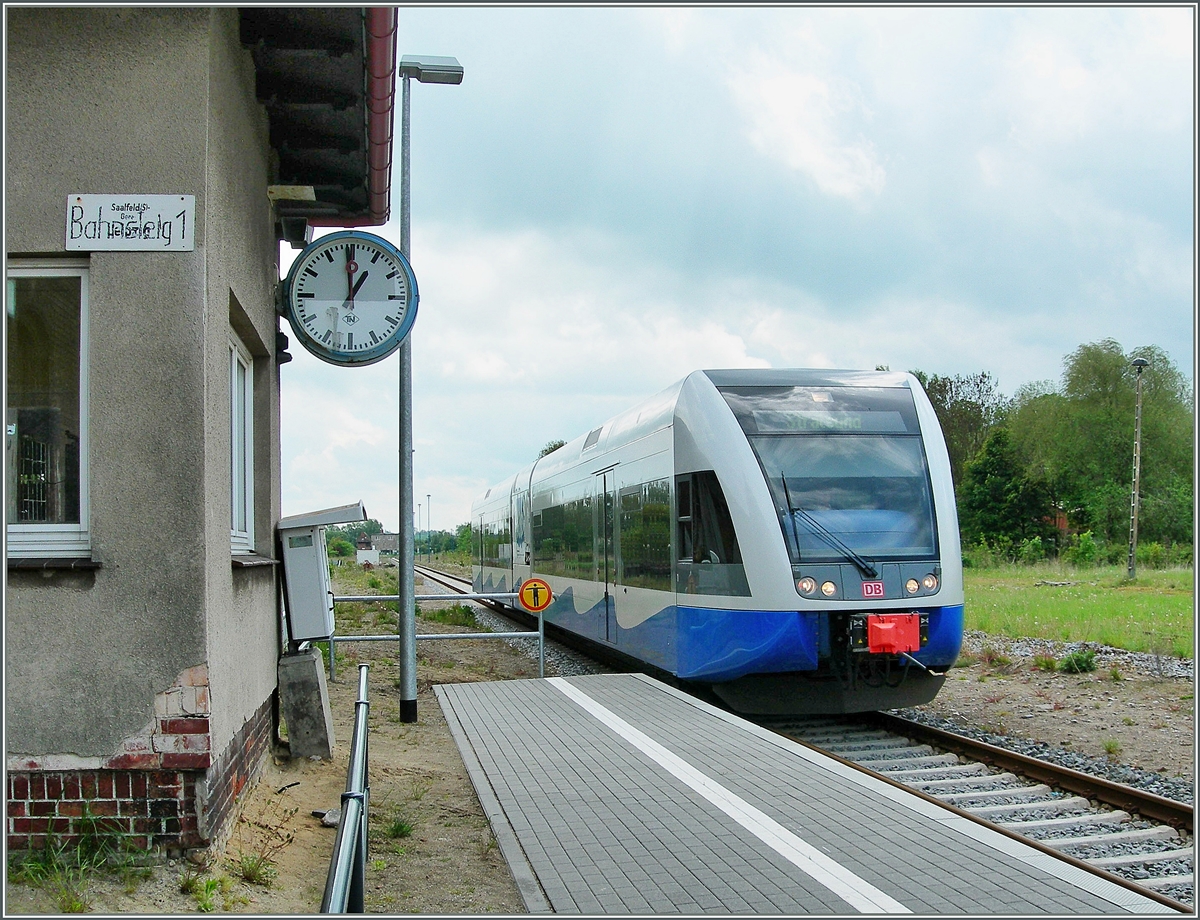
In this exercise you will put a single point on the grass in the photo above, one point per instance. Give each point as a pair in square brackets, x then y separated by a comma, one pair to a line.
[454, 615]
[1153, 613]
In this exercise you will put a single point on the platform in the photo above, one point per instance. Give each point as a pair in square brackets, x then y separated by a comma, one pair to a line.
[616, 794]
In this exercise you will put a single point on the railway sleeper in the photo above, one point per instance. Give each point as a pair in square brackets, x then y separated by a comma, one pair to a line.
[842, 748]
[1086, 819]
[1167, 881]
[959, 772]
[933, 785]
[1161, 832]
[1141, 859]
[1065, 805]
[983, 796]
[900, 763]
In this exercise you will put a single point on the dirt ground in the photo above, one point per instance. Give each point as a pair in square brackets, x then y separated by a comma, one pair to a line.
[1120, 712]
[449, 863]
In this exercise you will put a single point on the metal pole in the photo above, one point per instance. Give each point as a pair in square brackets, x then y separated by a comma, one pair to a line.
[1137, 470]
[407, 605]
[428, 532]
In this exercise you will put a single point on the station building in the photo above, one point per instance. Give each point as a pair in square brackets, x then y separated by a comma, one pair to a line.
[143, 618]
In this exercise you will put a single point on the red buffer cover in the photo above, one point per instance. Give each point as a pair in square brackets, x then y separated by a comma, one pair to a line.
[894, 632]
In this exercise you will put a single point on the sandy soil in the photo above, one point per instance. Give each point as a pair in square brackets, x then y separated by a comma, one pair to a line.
[449, 864]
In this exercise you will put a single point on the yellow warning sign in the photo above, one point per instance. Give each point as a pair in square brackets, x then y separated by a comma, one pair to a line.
[535, 595]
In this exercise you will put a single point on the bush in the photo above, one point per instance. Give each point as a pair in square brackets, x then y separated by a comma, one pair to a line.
[1031, 551]
[1082, 549]
[1078, 662]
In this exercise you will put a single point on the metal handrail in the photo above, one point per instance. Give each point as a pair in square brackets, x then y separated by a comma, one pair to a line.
[345, 886]
[539, 633]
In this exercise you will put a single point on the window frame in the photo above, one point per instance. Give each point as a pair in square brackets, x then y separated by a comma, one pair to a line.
[58, 540]
[241, 468]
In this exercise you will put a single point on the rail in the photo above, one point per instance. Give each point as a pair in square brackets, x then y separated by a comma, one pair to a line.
[539, 634]
[345, 887]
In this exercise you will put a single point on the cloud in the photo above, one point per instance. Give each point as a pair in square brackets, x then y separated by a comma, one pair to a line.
[799, 119]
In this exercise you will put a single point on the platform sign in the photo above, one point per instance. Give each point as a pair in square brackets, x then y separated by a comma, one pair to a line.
[147, 223]
[535, 595]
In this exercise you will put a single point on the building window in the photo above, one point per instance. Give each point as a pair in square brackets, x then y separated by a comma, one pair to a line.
[46, 424]
[241, 448]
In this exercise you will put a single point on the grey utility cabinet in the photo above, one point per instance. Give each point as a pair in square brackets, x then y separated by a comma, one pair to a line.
[306, 569]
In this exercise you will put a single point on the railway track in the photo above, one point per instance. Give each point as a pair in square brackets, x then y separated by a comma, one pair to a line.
[1135, 838]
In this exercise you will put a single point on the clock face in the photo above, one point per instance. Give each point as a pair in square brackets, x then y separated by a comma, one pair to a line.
[351, 298]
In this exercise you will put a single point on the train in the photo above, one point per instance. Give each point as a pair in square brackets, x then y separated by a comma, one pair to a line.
[784, 539]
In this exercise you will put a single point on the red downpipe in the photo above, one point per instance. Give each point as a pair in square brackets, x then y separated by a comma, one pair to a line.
[381, 28]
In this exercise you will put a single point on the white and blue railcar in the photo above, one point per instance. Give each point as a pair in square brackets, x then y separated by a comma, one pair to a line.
[787, 537]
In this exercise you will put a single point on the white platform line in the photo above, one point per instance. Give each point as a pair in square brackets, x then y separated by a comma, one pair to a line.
[808, 859]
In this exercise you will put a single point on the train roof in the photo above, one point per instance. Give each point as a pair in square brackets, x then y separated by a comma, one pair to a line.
[658, 411]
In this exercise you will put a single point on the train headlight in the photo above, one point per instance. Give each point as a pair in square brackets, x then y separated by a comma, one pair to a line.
[807, 585]
[829, 589]
[929, 582]
[911, 586]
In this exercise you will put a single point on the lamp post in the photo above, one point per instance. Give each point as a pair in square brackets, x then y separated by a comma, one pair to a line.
[428, 531]
[1140, 364]
[427, 70]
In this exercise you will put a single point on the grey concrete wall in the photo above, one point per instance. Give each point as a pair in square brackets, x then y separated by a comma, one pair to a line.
[243, 640]
[146, 101]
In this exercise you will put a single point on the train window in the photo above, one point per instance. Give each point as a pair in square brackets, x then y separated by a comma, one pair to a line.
[645, 535]
[562, 535]
[709, 560]
[823, 410]
[593, 438]
[845, 467]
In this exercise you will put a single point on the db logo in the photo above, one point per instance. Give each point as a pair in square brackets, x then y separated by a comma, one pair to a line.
[872, 589]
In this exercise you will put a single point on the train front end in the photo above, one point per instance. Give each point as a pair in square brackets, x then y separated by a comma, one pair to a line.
[841, 497]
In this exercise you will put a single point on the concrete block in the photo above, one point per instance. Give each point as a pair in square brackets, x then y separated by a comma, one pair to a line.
[304, 698]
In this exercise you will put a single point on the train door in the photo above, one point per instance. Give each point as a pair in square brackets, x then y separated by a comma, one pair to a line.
[606, 556]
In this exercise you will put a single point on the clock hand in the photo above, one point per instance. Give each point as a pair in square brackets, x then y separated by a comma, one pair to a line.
[358, 284]
[351, 268]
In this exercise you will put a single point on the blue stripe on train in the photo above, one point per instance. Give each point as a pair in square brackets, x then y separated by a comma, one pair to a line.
[721, 645]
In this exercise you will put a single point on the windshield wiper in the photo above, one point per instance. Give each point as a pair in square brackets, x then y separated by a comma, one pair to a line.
[864, 565]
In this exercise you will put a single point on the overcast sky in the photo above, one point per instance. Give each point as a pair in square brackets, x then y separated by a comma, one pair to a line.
[615, 197]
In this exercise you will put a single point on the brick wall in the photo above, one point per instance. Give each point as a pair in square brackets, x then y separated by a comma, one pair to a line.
[159, 798]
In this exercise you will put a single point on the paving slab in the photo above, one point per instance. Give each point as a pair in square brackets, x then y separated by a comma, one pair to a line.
[617, 794]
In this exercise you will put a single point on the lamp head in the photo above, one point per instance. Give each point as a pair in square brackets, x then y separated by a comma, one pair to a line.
[431, 68]
[1140, 363]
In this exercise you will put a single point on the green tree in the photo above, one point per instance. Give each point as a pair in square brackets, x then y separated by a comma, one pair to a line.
[551, 447]
[340, 546]
[968, 407]
[352, 532]
[1078, 438]
[998, 503]
[462, 538]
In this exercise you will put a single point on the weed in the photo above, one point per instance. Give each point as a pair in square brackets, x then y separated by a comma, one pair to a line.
[993, 698]
[205, 894]
[1045, 663]
[1078, 662]
[190, 880]
[1112, 749]
[966, 660]
[993, 658]
[255, 868]
[378, 864]
[398, 828]
[1114, 674]
[1127, 721]
[260, 839]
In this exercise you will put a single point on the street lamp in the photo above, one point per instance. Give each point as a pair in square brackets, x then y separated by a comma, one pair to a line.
[1140, 364]
[426, 69]
[428, 531]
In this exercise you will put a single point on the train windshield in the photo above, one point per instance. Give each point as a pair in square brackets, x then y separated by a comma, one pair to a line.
[846, 469]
